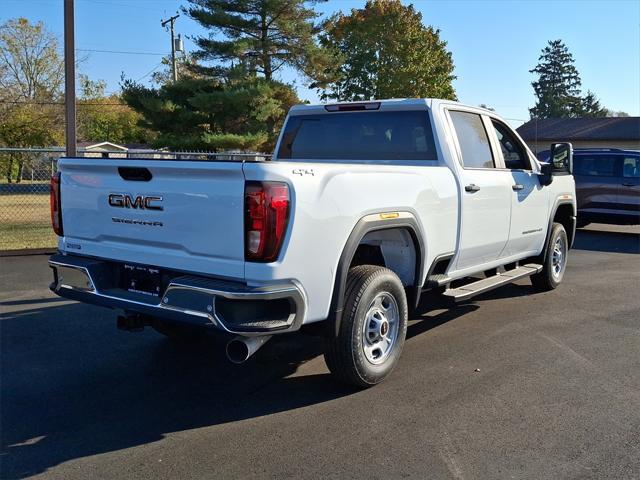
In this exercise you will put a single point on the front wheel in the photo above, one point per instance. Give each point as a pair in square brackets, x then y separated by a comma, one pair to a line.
[373, 327]
[555, 261]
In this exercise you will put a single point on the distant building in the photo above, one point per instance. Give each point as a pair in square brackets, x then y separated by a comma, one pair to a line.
[113, 150]
[610, 132]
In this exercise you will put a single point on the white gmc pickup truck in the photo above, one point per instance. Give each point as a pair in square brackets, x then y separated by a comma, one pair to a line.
[362, 208]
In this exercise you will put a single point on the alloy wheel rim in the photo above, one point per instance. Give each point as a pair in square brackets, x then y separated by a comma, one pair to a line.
[381, 326]
[558, 257]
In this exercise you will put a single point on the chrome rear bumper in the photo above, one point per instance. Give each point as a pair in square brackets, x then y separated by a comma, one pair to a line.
[232, 307]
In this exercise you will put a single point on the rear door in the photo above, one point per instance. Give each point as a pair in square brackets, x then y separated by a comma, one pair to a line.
[529, 199]
[485, 194]
[183, 215]
[597, 177]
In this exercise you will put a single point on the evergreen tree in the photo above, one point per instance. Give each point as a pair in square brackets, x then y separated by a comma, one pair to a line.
[206, 114]
[558, 85]
[386, 52]
[260, 35]
[590, 107]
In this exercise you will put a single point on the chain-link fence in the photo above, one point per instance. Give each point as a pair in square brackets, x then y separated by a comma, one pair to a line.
[24, 189]
[24, 198]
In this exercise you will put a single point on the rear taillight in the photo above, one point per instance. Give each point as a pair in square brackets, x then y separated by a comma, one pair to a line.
[266, 207]
[56, 206]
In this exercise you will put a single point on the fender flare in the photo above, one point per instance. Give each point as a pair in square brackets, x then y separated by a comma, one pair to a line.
[367, 224]
[557, 204]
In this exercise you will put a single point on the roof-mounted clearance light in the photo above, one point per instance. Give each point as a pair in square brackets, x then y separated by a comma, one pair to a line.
[352, 107]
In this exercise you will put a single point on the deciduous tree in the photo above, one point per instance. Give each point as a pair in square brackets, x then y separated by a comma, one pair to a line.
[30, 64]
[104, 117]
[31, 77]
[386, 51]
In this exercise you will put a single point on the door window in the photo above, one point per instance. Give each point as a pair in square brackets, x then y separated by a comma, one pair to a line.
[595, 165]
[515, 157]
[630, 167]
[473, 140]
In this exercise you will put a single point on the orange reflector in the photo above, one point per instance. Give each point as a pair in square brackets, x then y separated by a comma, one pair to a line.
[389, 215]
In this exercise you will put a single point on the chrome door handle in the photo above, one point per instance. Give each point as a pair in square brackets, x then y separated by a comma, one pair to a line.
[472, 188]
[517, 186]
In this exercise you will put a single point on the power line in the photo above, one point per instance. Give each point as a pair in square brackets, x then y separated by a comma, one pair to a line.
[81, 103]
[150, 72]
[120, 52]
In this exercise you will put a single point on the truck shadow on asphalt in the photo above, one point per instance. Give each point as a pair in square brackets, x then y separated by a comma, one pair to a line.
[74, 386]
[607, 241]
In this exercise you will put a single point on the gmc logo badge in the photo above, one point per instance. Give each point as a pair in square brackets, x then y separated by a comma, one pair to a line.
[140, 202]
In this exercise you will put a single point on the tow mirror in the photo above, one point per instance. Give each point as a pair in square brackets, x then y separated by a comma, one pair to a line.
[561, 159]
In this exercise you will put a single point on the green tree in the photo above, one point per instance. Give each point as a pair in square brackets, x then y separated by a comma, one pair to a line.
[206, 114]
[557, 88]
[104, 117]
[110, 119]
[386, 52]
[31, 78]
[27, 125]
[261, 35]
[91, 89]
[30, 64]
[590, 107]
[187, 68]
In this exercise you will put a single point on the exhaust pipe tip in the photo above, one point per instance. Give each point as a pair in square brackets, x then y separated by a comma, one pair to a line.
[237, 351]
[240, 348]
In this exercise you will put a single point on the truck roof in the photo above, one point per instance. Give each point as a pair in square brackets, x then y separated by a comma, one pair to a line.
[386, 104]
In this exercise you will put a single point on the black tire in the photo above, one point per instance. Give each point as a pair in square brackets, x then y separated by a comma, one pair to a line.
[549, 278]
[345, 354]
[176, 331]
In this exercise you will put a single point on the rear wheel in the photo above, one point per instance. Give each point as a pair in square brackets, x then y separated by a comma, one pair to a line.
[555, 261]
[373, 327]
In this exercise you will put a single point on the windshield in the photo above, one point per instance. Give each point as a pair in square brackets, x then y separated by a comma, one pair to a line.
[403, 135]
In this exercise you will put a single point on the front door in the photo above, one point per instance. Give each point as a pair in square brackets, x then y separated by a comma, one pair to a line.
[629, 196]
[529, 199]
[485, 194]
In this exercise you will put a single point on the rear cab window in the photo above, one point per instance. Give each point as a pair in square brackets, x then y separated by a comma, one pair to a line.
[375, 135]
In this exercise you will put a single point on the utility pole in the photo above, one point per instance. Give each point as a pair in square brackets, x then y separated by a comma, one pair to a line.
[174, 65]
[69, 79]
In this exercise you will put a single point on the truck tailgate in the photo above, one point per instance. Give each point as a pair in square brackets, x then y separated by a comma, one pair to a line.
[187, 216]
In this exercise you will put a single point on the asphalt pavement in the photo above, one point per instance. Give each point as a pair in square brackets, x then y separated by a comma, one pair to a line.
[512, 385]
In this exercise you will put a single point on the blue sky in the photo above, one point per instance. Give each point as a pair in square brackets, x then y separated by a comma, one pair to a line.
[494, 43]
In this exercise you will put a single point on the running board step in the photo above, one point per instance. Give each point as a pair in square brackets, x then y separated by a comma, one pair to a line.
[465, 292]
[437, 280]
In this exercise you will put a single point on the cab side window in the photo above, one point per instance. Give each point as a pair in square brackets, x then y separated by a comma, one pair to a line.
[515, 156]
[473, 140]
